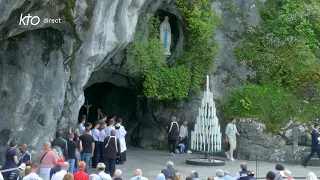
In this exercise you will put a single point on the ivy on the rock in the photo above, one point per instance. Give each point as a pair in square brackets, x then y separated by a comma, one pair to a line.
[146, 55]
[284, 53]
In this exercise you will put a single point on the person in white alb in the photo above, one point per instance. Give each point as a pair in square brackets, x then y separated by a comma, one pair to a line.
[102, 136]
[81, 125]
[64, 170]
[96, 153]
[101, 175]
[120, 134]
[231, 132]
[33, 175]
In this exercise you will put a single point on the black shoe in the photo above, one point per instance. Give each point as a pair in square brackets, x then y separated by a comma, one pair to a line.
[304, 165]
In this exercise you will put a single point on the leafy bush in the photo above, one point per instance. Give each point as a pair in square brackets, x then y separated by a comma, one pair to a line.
[146, 58]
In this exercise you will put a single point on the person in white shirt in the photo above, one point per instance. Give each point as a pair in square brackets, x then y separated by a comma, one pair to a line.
[102, 136]
[81, 125]
[96, 153]
[101, 174]
[120, 134]
[1, 177]
[138, 175]
[111, 126]
[64, 170]
[33, 175]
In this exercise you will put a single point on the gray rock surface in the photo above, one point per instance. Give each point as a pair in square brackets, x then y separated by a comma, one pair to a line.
[254, 143]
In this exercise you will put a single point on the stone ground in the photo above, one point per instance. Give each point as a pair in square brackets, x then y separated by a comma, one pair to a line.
[152, 161]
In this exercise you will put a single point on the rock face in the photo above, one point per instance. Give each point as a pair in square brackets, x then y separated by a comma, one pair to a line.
[44, 69]
[255, 144]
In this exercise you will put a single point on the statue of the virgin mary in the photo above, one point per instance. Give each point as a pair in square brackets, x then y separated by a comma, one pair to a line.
[165, 35]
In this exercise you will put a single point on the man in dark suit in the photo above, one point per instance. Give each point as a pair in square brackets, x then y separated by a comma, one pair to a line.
[315, 148]
[173, 135]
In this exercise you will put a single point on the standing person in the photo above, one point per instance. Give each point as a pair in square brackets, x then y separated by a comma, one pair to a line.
[315, 148]
[87, 144]
[48, 159]
[88, 125]
[81, 125]
[104, 118]
[102, 136]
[62, 143]
[25, 156]
[79, 149]
[112, 150]
[11, 159]
[96, 153]
[72, 152]
[121, 133]
[99, 114]
[173, 133]
[231, 131]
[33, 175]
[183, 136]
[111, 126]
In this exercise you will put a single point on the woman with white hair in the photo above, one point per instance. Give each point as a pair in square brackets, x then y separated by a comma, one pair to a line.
[311, 176]
[170, 171]
[48, 159]
[101, 174]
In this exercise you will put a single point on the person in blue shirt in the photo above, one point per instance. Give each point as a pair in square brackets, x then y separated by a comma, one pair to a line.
[315, 148]
[25, 156]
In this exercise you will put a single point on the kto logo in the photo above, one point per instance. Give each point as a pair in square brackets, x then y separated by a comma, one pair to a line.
[34, 20]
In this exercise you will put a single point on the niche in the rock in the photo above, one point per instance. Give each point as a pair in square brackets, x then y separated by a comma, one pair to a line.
[174, 22]
[111, 99]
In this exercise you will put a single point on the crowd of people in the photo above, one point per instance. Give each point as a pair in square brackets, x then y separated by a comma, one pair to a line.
[105, 144]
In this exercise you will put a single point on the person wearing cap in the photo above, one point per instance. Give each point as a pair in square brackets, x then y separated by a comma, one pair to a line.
[243, 174]
[14, 175]
[57, 168]
[315, 148]
[81, 125]
[25, 156]
[33, 175]
[101, 174]
[251, 175]
[286, 174]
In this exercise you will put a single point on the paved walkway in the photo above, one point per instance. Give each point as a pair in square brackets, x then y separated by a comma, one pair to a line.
[152, 161]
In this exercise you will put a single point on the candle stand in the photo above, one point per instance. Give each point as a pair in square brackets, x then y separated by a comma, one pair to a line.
[206, 136]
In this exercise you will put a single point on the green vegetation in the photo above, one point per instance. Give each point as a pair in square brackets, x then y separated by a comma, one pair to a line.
[284, 53]
[146, 55]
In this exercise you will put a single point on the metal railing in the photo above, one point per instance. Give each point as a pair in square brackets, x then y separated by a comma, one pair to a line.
[293, 177]
[6, 170]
